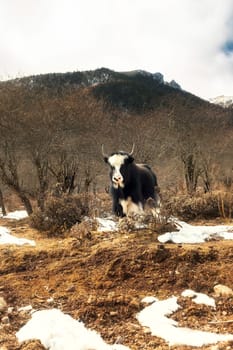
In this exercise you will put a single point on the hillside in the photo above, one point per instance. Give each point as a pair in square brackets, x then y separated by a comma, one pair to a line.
[53, 125]
[101, 280]
[137, 90]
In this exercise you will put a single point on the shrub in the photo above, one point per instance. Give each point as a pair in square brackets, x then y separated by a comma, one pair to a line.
[60, 214]
[200, 206]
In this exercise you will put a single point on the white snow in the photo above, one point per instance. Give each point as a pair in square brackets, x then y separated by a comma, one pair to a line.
[199, 298]
[196, 234]
[155, 317]
[225, 101]
[186, 233]
[7, 238]
[5, 235]
[17, 215]
[106, 225]
[59, 331]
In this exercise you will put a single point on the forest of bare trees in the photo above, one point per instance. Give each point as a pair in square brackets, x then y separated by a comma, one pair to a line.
[51, 143]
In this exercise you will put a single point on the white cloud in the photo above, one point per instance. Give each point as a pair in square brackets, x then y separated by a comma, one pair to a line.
[180, 38]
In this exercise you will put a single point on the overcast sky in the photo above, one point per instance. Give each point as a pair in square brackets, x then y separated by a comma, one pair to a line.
[190, 41]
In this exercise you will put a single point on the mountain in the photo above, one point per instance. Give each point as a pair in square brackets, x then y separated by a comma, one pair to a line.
[92, 78]
[224, 101]
[135, 91]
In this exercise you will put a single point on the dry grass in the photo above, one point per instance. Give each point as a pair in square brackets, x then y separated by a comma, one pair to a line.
[201, 205]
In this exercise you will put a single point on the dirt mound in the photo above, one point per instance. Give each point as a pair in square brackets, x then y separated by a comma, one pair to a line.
[102, 279]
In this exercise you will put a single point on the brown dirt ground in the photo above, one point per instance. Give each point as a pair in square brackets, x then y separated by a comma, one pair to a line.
[101, 279]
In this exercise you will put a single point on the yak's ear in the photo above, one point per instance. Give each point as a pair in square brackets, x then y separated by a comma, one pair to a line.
[130, 159]
[106, 159]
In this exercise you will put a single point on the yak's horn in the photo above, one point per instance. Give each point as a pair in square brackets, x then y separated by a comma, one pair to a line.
[131, 153]
[103, 153]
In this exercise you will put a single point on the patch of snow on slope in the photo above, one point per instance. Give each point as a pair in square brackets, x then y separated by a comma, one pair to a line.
[224, 101]
[106, 225]
[196, 234]
[199, 298]
[59, 331]
[17, 215]
[7, 238]
[155, 317]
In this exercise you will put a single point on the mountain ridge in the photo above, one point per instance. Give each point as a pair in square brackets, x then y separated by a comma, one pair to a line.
[93, 77]
[135, 90]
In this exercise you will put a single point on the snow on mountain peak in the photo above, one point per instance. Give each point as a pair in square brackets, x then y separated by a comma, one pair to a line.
[224, 101]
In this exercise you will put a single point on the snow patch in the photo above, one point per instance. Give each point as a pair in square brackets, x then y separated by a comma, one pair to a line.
[224, 101]
[16, 215]
[59, 331]
[196, 234]
[185, 233]
[155, 317]
[7, 238]
[106, 225]
[199, 298]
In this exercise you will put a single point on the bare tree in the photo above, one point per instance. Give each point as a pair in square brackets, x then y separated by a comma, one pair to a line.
[2, 205]
[64, 169]
[192, 170]
[10, 176]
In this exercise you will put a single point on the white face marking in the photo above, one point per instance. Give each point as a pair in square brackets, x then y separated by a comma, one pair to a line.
[116, 161]
[130, 208]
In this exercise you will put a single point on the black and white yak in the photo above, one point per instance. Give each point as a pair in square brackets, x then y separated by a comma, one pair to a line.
[132, 185]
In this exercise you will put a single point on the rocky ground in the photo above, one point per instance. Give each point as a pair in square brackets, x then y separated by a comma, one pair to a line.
[101, 278]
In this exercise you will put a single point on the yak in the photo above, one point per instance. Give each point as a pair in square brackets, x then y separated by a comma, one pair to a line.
[131, 184]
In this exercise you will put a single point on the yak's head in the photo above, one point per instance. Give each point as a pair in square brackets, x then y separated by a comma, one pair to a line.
[119, 163]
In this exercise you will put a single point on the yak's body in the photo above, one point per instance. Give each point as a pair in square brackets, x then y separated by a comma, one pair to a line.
[131, 184]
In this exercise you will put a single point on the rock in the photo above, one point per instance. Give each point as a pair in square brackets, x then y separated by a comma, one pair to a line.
[3, 304]
[222, 291]
[27, 308]
[50, 300]
[159, 77]
[70, 289]
[113, 313]
[174, 84]
[5, 320]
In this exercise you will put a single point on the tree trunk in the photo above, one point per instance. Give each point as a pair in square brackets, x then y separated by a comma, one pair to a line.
[26, 202]
[41, 201]
[191, 173]
[2, 205]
